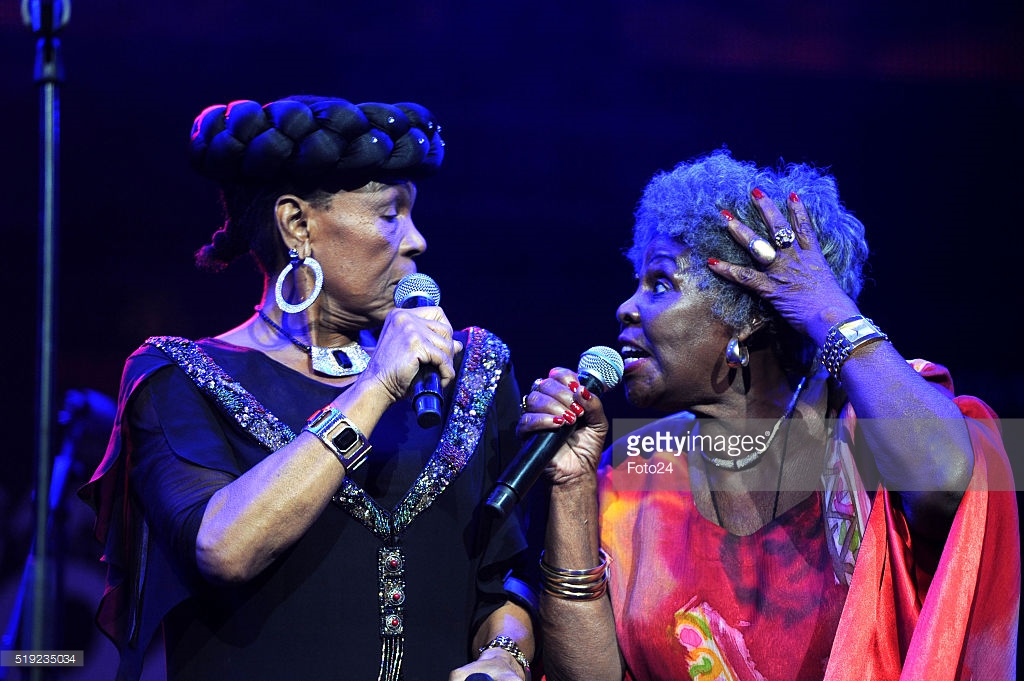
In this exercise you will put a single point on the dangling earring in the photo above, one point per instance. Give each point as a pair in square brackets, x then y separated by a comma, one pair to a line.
[318, 282]
[736, 354]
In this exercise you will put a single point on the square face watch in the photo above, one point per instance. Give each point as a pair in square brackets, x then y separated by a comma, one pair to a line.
[858, 329]
[340, 435]
[844, 338]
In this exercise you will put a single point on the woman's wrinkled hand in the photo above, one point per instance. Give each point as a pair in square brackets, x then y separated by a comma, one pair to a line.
[494, 664]
[409, 339]
[792, 273]
[557, 402]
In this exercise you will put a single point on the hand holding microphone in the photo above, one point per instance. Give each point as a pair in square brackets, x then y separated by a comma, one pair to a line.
[600, 369]
[419, 290]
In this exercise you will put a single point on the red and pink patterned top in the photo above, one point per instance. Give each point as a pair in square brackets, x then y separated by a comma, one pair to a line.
[696, 603]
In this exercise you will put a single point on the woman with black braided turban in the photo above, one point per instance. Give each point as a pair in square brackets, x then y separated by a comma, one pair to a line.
[269, 495]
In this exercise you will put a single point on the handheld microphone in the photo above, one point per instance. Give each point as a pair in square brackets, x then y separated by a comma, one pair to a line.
[600, 369]
[419, 290]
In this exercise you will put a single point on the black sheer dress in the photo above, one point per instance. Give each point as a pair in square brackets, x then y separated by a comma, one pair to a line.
[316, 612]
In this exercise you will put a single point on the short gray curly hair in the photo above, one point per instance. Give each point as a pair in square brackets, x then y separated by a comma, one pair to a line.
[685, 204]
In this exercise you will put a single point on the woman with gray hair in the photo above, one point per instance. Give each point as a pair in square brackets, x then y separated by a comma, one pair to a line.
[816, 506]
[270, 498]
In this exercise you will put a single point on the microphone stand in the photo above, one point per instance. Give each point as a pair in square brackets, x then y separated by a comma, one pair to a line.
[45, 18]
[76, 416]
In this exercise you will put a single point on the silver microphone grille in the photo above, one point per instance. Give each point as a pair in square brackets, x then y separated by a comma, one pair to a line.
[416, 285]
[604, 364]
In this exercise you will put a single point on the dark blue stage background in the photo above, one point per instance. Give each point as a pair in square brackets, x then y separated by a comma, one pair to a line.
[555, 115]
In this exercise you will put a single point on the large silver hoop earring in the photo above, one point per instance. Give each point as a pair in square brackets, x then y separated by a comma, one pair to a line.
[318, 282]
[736, 354]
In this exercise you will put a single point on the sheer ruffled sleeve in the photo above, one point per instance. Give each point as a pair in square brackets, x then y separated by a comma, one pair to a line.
[165, 443]
[173, 488]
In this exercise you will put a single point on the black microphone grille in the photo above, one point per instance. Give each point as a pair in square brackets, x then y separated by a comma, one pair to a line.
[604, 364]
[415, 285]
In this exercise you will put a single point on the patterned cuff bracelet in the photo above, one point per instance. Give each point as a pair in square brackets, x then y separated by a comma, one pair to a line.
[511, 647]
[844, 338]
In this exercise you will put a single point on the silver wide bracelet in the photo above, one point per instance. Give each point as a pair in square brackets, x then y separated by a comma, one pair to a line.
[844, 338]
[340, 435]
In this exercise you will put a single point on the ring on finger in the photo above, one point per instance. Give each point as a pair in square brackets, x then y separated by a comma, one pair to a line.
[784, 237]
[522, 403]
[536, 384]
[761, 250]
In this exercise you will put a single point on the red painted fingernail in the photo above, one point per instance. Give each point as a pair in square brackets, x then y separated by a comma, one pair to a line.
[558, 420]
[587, 394]
[757, 193]
[728, 215]
[570, 418]
[574, 386]
[713, 261]
[576, 408]
[794, 198]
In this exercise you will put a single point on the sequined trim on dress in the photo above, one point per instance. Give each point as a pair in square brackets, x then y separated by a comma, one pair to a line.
[230, 396]
[485, 358]
[486, 355]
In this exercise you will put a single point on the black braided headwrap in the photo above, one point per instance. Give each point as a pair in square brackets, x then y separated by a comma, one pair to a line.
[306, 139]
[306, 145]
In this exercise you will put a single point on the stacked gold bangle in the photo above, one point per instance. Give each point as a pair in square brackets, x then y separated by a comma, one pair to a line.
[575, 585]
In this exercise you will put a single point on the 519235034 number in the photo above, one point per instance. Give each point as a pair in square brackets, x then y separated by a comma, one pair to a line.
[41, 658]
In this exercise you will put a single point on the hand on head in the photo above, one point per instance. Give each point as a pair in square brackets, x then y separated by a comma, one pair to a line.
[729, 220]
[792, 274]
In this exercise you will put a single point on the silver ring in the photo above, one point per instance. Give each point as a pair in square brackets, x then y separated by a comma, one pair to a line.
[761, 250]
[784, 237]
[522, 404]
[535, 384]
